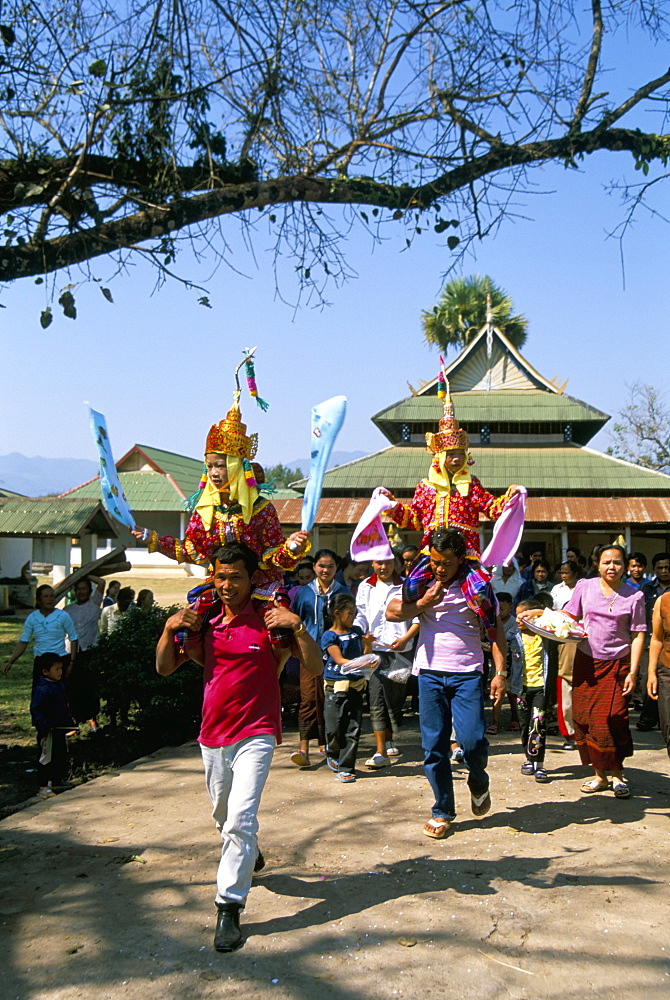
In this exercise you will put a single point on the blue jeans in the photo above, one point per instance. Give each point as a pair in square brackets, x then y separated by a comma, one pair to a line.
[443, 697]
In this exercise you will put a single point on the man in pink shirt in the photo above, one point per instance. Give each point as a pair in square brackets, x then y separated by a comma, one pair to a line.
[241, 714]
[450, 663]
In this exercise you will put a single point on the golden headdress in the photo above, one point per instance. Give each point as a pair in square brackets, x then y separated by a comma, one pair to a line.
[451, 435]
[229, 437]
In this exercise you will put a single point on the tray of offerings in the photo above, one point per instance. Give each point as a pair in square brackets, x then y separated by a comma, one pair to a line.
[556, 625]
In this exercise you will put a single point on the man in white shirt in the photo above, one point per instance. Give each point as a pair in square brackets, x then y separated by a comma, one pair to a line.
[85, 610]
[387, 697]
[85, 613]
[110, 616]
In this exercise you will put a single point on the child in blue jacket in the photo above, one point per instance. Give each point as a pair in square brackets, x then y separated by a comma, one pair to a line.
[343, 708]
[51, 717]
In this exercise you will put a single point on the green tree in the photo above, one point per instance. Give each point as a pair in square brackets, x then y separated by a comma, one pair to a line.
[642, 431]
[124, 660]
[130, 127]
[462, 311]
[282, 475]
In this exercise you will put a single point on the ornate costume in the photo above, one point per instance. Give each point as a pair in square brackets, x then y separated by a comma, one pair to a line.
[263, 534]
[240, 515]
[441, 502]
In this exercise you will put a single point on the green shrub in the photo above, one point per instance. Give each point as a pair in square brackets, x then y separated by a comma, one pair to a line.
[125, 663]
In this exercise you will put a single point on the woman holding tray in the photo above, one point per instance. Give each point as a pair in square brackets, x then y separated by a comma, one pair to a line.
[605, 669]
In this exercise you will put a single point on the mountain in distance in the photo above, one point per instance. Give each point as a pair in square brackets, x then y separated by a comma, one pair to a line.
[337, 458]
[37, 477]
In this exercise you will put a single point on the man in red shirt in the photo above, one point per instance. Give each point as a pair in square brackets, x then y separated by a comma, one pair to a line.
[241, 714]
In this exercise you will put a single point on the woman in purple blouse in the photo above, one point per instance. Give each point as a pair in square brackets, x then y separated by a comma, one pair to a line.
[605, 669]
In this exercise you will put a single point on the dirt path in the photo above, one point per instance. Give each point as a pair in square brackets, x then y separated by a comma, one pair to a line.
[107, 891]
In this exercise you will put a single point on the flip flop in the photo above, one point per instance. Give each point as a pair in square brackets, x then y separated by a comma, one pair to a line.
[346, 776]
[437, 828]
[594, 785]
[492, 730]
[621, 789]
[514, 727]
[300, 759]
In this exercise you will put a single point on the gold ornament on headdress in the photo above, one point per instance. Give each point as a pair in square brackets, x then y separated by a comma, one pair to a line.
[451, 435]
[229, 436]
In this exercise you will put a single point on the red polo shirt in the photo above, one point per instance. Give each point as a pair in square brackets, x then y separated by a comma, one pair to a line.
[241, 696]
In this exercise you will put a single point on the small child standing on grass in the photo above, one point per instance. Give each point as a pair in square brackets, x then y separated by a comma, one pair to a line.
[343, 709]
[51, 717]
[532, 703]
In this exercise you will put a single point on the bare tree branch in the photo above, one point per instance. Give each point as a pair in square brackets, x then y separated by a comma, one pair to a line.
[592, 65]
[150, 120]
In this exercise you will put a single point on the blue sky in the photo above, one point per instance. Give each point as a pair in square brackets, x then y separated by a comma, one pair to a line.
[160, 365]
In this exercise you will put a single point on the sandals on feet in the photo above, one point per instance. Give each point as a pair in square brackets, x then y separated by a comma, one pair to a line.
[437, 828]
[480, 804]
[300, 759]
[594, 785]
[346, 776]
[492, 730]
[621, 789]
[514, 727]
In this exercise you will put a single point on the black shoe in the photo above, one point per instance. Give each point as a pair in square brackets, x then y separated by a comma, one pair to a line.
[228, 935]
[260, 861]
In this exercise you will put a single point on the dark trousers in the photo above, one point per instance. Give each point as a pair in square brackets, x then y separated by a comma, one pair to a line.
[310, 714]
[56, 770]
[343, 713]
[663, 674]
[387, 698]
[83, 688]
[532, 709]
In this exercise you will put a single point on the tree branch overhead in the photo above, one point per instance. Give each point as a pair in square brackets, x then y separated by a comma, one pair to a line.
[138, 122]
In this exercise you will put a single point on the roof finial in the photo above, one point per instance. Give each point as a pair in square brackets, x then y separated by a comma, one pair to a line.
[489, 326]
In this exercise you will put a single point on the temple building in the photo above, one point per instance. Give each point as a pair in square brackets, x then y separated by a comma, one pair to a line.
[523, 429]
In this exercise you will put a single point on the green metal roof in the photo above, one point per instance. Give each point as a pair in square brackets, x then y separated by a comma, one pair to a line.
[144, 491]
[185, 471]
[285, 493]
[549, 469]
[54, 516]
[498, 406]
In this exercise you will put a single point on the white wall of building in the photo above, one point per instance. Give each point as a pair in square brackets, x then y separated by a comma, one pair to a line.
[14, 554]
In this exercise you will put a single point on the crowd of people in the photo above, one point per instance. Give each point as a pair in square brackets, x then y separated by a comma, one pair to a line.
[371, 631]
[432, 625]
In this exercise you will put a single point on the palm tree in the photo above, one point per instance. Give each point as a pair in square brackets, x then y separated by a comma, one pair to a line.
[461, 313]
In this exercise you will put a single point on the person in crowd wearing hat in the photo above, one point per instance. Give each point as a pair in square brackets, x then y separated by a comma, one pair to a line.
[229, 506]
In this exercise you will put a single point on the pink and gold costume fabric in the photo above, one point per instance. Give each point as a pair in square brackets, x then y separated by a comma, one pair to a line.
[431, 509]
[263, 535]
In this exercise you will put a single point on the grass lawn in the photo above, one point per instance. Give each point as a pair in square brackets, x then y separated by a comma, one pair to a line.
[15, 725]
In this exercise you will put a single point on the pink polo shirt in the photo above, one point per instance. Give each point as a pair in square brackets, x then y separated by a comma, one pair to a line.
[449, 636]
[241, 696]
